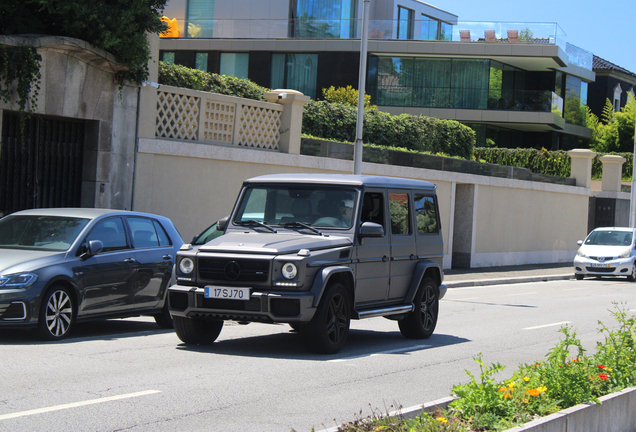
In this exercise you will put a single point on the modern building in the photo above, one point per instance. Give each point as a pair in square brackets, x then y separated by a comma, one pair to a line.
[612, 82]
[516, 84]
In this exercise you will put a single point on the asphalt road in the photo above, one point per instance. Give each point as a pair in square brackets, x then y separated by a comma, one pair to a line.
[129, 375]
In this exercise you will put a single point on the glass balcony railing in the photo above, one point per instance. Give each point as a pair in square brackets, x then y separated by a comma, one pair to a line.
[579, 57]
[309, 28]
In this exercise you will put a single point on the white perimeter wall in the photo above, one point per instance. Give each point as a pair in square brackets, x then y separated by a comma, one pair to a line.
[513, 221]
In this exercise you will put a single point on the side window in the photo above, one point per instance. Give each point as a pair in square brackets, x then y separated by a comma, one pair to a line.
[400, 213]
[143, 232]
[373, 208]
[111, 233]
[426, 214]
[164, 240]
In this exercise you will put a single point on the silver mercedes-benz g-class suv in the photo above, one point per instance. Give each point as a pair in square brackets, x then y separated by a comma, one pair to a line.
[315, 251]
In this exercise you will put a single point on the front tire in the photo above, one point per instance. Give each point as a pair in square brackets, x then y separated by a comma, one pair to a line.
[57, 314]
[632, 276]
[197, 332]
[327, 332]
[421, 323]
[163, 319]
[579, 276]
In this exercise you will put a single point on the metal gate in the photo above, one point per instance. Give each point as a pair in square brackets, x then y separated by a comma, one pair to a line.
[43, 169]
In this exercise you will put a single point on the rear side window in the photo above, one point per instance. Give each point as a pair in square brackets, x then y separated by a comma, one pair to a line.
[164, 240]
[400, 213]
[143, 232]
[426, 214]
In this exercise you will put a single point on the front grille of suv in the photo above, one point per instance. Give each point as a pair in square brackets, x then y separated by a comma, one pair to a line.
[233, 270]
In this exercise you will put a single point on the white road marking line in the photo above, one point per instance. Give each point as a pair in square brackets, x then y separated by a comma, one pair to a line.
[76, 404]
[463, 299]
[523, 293]
[577, 289]
[381, 353]
[547, 325]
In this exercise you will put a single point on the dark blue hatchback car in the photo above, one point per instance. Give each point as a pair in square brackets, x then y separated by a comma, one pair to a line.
[62, 266]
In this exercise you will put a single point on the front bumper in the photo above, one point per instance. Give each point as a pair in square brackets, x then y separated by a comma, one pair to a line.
[18, 308]
[263, 306]
[615, 267]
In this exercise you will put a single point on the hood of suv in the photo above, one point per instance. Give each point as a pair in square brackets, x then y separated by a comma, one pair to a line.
[18, 260]
[266, 243]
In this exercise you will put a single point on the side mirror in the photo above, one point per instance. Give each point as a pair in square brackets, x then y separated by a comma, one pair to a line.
[94, 247]
[580, 242]
[222, 223]
[371, 229]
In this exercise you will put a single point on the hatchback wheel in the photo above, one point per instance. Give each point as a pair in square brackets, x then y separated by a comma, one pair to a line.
[632, 277]
[57, 314]
[578, 276]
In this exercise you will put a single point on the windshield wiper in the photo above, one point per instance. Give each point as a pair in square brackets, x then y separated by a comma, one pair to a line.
[253, 222]
[300, 224]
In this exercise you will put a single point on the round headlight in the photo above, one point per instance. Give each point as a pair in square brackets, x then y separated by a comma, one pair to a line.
[186, 265]
[289, 271]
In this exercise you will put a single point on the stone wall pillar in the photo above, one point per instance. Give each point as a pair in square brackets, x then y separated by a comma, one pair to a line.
[291, 119]
[581, 169]
[612, 172]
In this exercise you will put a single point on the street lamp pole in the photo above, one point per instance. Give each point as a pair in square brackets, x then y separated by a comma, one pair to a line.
[357, 151]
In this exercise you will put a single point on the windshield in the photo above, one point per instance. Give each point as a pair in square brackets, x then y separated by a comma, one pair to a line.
[286, 206]
[50, 233]
[609, 238]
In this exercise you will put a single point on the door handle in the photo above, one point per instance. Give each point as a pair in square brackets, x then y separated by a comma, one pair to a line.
[129, 260]
[167, 257]
[385, 258]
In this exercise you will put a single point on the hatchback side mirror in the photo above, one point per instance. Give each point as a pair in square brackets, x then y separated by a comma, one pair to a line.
[222, 223]
[94, 247]
[580, 242]
[371, 229]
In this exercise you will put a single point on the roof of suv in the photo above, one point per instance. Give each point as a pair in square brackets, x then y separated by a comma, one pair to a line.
[343, 179]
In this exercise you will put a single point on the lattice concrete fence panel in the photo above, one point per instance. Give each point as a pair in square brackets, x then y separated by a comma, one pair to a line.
[217, 119]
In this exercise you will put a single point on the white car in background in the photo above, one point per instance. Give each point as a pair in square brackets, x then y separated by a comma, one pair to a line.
[607, 251]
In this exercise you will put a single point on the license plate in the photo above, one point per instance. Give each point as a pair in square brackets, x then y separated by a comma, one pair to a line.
[600, 265]
[227, 293]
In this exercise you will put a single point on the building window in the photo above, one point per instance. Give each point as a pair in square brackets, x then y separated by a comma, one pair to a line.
[432, 29]
[325, 19]
[617, 97]
[295, 71]
[200, 18]
[201, 61]
[235, 64]
[405, 23]
[574, 109]
[168, 57]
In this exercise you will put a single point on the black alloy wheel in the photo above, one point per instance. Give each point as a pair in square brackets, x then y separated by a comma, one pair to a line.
[327, 332]
[420, 324]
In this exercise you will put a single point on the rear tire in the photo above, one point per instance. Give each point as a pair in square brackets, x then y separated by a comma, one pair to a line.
[421, 323]
[163, 319]
[197, 332]
[327, 332]
[57, 314]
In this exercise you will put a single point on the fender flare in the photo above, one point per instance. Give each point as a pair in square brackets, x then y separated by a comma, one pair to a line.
[418, 275]
[322, 278]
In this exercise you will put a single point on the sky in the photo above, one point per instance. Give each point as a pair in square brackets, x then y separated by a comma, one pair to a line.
[607, 28]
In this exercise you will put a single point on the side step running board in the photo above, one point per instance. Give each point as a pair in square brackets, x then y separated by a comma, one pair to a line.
[393, 310]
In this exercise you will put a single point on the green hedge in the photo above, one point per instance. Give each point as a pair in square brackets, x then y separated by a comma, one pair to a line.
[338, 122]
[194, 79]
[546, 162]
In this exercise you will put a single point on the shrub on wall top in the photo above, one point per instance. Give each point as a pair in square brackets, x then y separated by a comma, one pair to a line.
[194, 79]
[338, 122]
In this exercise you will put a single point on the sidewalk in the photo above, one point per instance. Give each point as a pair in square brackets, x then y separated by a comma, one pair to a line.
[457, 278]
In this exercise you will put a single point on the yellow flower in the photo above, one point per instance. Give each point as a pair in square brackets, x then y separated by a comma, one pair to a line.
[609, 369]
[526, 379]
[442, 419]
[542, 389]
[511, 386]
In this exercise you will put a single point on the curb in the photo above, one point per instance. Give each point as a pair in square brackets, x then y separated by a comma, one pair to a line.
[509, 280]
